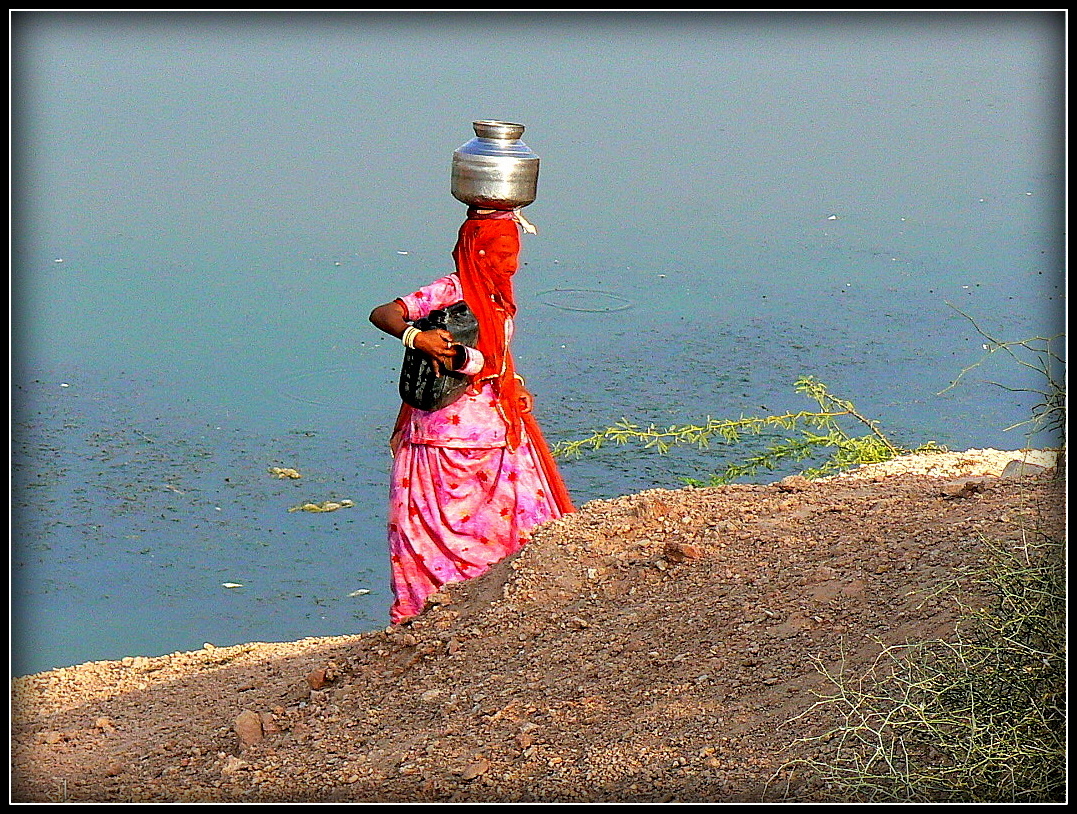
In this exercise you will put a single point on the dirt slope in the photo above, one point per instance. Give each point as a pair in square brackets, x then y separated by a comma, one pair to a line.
[655, 647]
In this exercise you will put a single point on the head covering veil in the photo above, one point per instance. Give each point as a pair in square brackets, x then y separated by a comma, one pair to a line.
[489, 293]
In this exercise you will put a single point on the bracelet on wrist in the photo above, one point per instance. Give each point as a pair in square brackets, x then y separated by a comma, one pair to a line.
[408, 337]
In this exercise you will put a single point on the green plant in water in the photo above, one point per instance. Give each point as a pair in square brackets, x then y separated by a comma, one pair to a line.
[980, 719]
[819, 431]
[1040, 354]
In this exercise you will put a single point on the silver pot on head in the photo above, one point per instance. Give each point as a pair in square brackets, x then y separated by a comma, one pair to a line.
[495, 170]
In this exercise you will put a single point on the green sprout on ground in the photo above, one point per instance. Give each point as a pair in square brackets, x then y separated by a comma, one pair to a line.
[981, 719]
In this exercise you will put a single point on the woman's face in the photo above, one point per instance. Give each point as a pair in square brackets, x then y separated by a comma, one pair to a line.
[500, 256]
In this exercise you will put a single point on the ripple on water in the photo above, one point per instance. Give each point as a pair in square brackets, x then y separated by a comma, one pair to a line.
[584, 299]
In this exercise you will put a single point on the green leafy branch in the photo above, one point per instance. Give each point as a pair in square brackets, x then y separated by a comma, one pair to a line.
[819, 430]
[1038, 354]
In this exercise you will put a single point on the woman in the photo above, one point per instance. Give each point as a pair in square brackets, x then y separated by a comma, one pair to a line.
[472, 480]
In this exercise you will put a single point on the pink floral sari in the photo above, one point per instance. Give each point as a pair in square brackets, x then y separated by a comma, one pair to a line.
[462, 497]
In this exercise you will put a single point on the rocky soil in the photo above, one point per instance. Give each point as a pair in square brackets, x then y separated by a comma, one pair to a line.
[656, 647]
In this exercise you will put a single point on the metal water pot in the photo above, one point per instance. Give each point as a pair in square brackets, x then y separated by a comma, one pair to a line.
[495, 170]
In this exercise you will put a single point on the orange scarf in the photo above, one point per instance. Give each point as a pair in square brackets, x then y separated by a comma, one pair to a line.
[487, 282]
[486, 279]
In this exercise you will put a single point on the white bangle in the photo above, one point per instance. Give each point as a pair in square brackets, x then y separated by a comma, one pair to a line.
[408, 337]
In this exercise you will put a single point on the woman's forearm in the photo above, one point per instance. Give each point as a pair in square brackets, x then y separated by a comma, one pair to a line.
[389, 318]
[436, 343]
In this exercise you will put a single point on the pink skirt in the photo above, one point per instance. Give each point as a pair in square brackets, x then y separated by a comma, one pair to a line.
[454, 512]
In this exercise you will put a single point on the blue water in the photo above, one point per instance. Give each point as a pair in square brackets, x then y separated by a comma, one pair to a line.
[208, 206]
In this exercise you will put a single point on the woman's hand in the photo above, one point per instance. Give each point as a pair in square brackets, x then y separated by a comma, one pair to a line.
[527, 401]
[438, 344]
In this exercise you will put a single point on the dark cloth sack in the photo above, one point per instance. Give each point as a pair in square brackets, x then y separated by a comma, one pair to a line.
[420, 386]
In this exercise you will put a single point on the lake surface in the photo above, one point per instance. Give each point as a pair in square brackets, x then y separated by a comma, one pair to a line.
[207, 206]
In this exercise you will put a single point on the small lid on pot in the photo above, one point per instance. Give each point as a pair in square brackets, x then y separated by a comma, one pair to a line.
[490, 128]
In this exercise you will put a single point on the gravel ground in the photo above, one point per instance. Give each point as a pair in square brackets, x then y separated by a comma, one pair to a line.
[653, 648]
